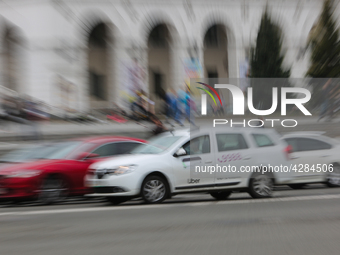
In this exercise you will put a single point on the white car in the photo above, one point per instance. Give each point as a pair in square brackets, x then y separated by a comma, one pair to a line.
[177, 162]
[315, 157]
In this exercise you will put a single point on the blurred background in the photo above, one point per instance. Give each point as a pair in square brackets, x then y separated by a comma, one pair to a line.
[71, 56]
[87, 60]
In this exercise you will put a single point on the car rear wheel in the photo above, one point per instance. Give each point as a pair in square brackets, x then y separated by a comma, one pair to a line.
[53, 189]
[261, 185]
[154, 189]
[333, 178]
[221, 195]
[297, 186]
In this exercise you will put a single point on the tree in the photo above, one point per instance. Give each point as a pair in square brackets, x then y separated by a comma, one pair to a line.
[267, 62]
[324, 43]
[325, 52]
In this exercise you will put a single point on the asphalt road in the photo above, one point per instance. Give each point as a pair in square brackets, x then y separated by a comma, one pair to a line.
[293, 222]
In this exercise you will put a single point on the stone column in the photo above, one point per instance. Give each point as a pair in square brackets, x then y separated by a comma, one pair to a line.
[82, 79]
[2, 59]
[176, 67]
[114, 50]
[143, 61]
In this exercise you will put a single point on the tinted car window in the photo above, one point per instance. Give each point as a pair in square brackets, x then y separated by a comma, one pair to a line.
[125, 147]
[227, 142]
[307, 144]
[262, 140]
[106, 150]
[198, 145]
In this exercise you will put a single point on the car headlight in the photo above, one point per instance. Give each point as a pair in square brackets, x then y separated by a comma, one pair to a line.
[24, 174]
[121, 170]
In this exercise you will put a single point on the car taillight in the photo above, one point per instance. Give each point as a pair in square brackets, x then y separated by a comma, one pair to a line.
[287, 151]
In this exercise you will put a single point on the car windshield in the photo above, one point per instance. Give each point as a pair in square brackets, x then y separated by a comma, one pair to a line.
[29, 153]
[156, 145]
[62, 150]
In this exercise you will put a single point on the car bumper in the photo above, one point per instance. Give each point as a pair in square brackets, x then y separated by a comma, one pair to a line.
[113, 186]
[13, 188]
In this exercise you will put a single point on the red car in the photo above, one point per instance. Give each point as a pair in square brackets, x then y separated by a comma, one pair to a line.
[60, 173]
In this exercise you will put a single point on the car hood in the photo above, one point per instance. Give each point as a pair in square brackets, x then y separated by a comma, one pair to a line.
[130, 159]
[6, 165]
[35, 165]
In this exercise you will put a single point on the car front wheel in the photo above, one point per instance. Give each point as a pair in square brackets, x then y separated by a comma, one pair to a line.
[333, 178]
[154, 189]
[53, 189]
[261, 185]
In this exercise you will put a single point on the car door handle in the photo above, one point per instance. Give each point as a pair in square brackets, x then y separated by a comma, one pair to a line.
[191, 159]
[247, 158]
[324, 156]
[294, 157]
[208, 161]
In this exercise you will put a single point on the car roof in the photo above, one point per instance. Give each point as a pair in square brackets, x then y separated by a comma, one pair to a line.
[304, 133]
[316, 135]
[193, 131]
[103, 139]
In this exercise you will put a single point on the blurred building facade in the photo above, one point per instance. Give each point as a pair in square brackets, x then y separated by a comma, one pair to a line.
[83, 54]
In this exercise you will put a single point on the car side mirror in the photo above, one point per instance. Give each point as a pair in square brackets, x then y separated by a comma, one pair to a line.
[180, 152]
[92, 155]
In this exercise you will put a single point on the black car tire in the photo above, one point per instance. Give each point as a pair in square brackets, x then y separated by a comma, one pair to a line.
[221, 195]
[333, 178]
[154, 189]
[261, 185]
[53, 189]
